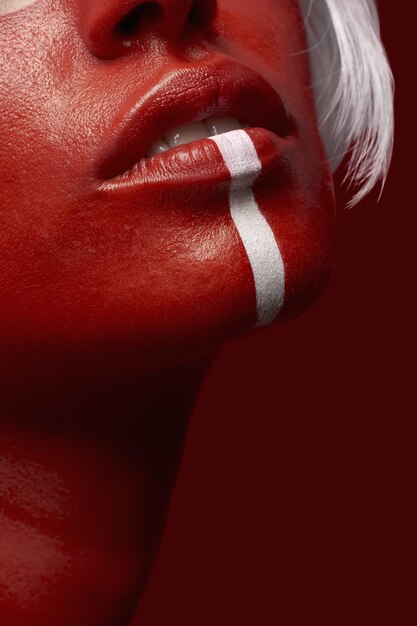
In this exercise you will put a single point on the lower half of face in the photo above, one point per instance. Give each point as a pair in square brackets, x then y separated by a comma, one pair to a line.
[203, 243]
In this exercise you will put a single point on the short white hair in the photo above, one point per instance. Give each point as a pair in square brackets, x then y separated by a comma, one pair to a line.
[353, 88]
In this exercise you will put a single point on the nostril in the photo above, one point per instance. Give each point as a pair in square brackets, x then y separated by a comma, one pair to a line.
[137, 17]
[202, 12]
[193, 15]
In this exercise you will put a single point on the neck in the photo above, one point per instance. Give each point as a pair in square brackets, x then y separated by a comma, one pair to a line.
[86, 469]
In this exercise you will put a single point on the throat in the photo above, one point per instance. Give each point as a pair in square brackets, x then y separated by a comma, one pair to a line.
[86, 476]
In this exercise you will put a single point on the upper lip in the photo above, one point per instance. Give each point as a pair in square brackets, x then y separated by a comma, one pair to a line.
[219, 89]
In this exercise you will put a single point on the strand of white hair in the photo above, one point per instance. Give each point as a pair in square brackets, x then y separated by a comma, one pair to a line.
[353, 87]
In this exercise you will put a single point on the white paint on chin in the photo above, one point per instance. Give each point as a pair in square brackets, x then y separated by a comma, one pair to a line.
[241, 159]
[10, 6]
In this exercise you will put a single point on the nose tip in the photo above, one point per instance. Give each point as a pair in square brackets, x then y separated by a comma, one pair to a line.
[111, 27]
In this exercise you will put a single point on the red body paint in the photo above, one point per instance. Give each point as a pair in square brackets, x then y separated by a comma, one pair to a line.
[112, 284]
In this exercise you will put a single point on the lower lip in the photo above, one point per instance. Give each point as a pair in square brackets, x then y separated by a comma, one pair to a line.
[195, 165]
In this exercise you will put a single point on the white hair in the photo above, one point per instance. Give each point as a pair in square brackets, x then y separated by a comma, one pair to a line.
[353, 88]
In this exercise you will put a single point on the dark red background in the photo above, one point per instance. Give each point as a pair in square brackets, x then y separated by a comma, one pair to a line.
[293, 501]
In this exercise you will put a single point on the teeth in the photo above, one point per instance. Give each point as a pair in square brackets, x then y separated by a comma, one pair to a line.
[157, 147]
[186, 133]
[192, 132]
[222, 125]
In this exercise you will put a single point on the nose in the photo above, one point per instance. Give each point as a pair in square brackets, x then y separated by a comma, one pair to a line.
[112, 27]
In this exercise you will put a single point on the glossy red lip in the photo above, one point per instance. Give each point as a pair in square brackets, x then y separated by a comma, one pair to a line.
[198, 164]
[185, 95]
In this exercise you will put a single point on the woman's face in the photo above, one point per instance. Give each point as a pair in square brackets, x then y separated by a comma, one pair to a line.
[175, 257]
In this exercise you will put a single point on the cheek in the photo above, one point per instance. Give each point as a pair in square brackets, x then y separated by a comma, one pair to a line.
[268, 30]
[11, 6]
[26, 91]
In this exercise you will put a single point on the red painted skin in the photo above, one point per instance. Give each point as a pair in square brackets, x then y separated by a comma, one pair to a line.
[104, 293]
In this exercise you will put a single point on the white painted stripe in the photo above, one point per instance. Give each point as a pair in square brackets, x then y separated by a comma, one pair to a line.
[240, 156]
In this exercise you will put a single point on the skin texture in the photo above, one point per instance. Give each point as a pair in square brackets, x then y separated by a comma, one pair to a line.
[112, 307]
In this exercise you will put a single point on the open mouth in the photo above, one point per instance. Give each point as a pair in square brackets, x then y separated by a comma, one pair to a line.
[187, 106]
[186, 133]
